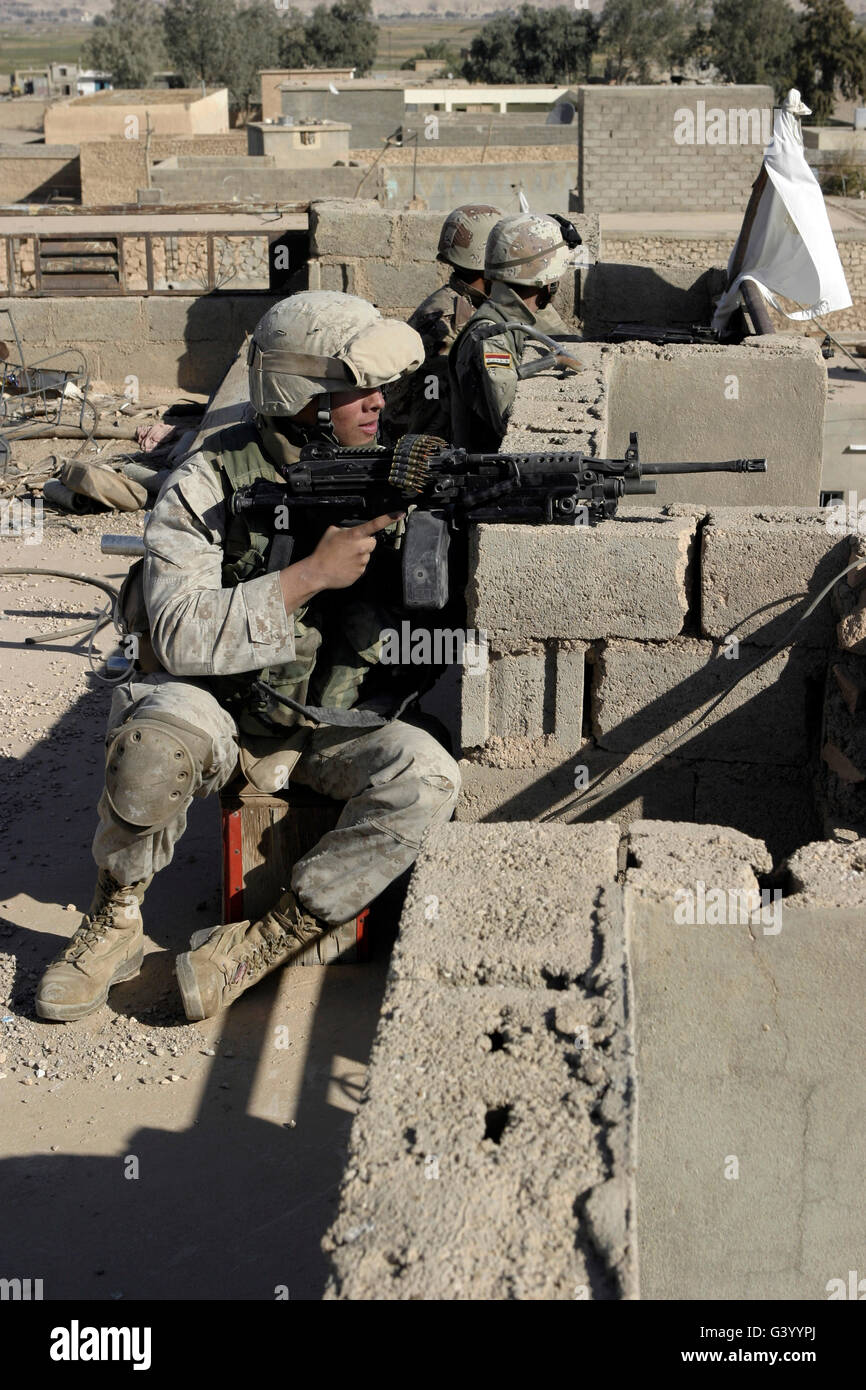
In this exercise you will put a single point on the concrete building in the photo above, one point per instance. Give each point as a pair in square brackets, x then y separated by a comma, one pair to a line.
[311, 144]
[273, 78]
[106, 115]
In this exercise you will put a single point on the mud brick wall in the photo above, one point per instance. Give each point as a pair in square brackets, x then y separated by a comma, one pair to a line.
[112, 171]
[680, 249]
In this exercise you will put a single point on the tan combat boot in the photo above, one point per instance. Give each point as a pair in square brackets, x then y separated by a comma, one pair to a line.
[106, 948]
[224, 961]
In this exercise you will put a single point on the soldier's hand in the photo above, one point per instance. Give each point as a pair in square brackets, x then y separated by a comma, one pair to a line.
[344, 552]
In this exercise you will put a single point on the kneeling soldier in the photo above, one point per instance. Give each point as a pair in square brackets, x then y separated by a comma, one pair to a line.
[221, 622]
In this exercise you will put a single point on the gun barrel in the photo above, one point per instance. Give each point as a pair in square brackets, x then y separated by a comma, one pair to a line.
[728, 466]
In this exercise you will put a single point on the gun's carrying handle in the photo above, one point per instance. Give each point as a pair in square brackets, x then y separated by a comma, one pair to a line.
[425, 560]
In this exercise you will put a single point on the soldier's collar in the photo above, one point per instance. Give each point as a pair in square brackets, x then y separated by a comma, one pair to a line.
[503, 295]
[475, 297]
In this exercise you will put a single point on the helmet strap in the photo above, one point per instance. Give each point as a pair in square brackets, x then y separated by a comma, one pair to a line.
[323, 412]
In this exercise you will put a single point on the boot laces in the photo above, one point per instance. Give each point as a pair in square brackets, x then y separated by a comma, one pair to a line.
[263, 954]
[94, 928]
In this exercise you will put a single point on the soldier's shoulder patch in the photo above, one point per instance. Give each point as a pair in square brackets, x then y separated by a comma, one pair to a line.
[497, 357]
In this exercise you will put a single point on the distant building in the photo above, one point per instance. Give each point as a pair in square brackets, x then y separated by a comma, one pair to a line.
[312, 144]
[90, 82]
[272, 79]
[107, 115]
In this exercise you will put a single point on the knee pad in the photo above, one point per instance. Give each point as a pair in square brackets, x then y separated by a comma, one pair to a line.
[153, 766]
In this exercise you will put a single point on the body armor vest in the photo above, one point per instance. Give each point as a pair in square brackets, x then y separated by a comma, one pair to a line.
[337, 634]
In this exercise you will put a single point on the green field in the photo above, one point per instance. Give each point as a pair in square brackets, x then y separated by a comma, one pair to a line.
[22, 48]
[403, 39]
[61, 43]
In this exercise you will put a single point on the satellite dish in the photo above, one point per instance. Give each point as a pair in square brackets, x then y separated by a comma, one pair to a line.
[332, 88]
[561, 114]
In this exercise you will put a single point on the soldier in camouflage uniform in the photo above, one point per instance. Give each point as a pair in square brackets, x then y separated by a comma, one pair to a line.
[220, 620]
[420, 403]
[525, 257]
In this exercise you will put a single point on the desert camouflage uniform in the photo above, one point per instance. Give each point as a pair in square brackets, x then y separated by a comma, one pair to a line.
[210, 628]
[483, 372]
[420, 403]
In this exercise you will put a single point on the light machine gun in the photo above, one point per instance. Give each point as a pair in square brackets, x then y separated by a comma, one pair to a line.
[447, 488]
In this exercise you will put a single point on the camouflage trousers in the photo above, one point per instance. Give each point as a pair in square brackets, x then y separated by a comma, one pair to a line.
[396, 781]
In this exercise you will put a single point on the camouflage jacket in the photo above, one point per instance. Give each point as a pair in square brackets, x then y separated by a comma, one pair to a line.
[419, 404]
[483, 370]
[217, 615]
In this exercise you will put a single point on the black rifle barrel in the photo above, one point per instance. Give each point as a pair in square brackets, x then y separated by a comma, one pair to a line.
[729, 466]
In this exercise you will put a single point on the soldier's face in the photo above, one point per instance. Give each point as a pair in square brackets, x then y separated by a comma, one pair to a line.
[355, 415]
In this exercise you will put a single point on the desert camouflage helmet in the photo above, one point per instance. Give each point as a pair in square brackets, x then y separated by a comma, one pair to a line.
[323, 342]
[464, 235]
[528, 249]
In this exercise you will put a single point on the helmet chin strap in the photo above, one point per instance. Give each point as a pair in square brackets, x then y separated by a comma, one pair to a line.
[323, 415]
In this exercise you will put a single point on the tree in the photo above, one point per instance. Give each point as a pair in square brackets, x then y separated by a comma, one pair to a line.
[199, 36]
[533, 46]
[128, 43]
[753, 41]
[830, 56]
[641, 33]
[258, 30]
[345, 36]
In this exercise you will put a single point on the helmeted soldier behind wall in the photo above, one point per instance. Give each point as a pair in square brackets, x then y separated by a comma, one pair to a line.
[419, 404]
[525, 257]
[230, 634]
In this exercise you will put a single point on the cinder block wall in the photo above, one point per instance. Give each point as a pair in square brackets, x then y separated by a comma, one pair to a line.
[390, 257]
[163, 340]
[607, 643]
[630, 158]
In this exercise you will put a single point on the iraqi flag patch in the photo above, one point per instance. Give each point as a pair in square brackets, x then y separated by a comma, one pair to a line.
[498, 357]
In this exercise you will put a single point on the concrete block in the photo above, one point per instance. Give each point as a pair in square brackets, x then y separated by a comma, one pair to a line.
[760, 569]
[96, 320]
[568, 702]
[749, 1182]
[666, 856]
[338, 225]
[505, 904]
[496, 793]
[476, 1170]
[826, 874]
[208, 318]
[619, 293]
[645, 696]
[32, 318]
[681, 401]
[474, 709]
[419, 235]
[392, 286]
[619, 579]
[775, 804]
[517, 696]
[341, 276]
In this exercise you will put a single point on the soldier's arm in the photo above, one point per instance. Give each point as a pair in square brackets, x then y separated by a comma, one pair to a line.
[198, 627]
[490, 373]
